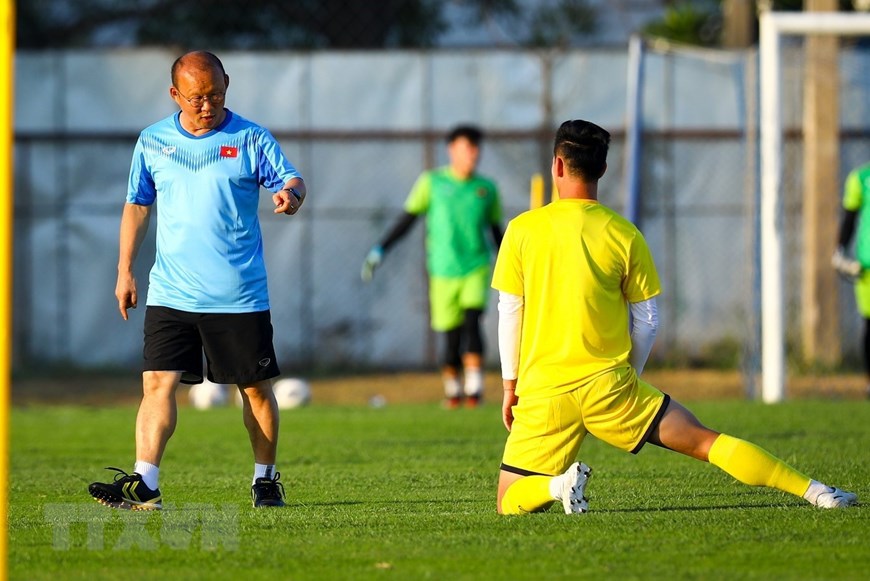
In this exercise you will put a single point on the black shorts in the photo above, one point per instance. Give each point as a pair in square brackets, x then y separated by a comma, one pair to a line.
[238, 346]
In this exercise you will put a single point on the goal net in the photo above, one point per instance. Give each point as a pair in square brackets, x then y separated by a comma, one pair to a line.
[803, 136]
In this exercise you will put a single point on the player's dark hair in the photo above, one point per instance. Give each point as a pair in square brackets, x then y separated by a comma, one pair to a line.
[583, 146]
[210, 58]
[469, 132]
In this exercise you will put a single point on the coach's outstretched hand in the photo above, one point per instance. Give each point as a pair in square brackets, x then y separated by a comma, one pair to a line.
[372, 261]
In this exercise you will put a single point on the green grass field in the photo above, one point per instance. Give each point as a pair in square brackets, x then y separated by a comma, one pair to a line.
[407, 492]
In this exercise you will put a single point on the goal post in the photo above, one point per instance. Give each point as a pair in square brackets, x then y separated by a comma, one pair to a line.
[773, 27]
[7, 52]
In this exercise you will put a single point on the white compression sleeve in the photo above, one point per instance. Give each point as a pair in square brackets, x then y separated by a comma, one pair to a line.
[510, 326]
[644, 325]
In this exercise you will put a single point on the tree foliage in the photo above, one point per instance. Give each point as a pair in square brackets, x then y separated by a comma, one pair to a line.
[700, 23]
[278, 24]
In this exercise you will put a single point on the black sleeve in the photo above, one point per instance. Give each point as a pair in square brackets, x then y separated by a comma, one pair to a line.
[497, 234]
[847, 227]
[400, 228]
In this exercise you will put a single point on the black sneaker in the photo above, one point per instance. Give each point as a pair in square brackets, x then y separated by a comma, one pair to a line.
[268, 492]
[127, 492]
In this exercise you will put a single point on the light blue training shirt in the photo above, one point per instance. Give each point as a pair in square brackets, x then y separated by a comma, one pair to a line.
[207, 189]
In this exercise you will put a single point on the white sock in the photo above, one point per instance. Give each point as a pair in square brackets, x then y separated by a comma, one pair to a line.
[149, 473]
[263, 471]
[556, 487]
[814, 490]
[473, 382]
[452, 388]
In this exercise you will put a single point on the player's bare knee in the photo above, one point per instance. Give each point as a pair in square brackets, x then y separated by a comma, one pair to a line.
[159, 383]
[259, 390]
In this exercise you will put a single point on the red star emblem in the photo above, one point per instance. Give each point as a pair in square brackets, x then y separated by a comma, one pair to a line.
[229, 151]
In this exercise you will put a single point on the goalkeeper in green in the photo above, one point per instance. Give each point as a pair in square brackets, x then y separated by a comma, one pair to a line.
[462, 210]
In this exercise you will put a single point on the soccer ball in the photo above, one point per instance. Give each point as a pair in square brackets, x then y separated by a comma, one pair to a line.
[292, 393]
[207, 395]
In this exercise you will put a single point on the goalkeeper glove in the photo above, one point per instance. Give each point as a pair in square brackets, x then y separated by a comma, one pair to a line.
[846, 267]
[372, 261]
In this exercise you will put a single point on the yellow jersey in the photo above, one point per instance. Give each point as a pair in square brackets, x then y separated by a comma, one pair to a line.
[577, 264]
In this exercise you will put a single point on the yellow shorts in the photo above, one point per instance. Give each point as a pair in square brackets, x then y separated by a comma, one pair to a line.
[862, 294]
[449, 298]
[615, 407]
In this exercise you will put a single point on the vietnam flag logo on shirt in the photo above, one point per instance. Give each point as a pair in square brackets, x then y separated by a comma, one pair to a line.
[229, 151]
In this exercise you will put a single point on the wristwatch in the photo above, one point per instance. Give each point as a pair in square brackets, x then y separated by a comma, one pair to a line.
[295, 193]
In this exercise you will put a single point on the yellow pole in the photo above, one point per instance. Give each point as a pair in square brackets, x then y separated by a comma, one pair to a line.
[7, 51]
[536, 193]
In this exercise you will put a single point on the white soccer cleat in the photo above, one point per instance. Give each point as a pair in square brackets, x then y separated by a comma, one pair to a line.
[836, 498]
[574, 482]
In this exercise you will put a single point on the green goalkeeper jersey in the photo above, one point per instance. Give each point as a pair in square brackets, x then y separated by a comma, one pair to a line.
[459, 214]
[856, 198]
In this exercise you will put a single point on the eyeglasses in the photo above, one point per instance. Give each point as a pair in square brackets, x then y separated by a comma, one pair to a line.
[198, 100]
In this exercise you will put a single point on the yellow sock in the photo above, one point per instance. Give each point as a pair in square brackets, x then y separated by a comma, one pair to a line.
[528, 494]
[754, 466]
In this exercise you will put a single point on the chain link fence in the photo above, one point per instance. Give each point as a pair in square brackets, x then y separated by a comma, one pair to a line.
[853, 73]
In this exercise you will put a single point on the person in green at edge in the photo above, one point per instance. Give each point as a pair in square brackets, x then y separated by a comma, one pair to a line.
[856, 207]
